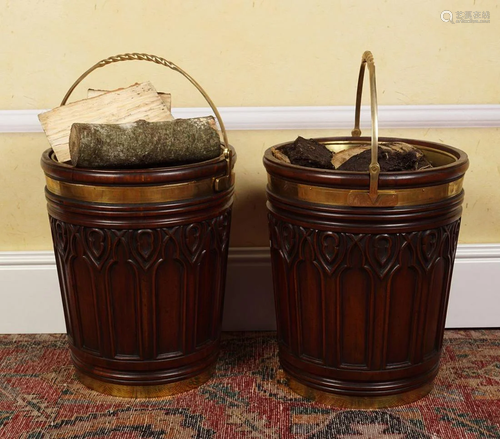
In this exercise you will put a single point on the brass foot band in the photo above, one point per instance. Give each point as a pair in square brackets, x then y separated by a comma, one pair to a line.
[359, 402]
[152, 391]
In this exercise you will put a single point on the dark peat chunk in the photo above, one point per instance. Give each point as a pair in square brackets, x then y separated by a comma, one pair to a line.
[391, 158]
[308, 153]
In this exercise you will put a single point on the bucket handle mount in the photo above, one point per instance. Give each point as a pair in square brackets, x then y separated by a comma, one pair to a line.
[373, 197]
[220, 183]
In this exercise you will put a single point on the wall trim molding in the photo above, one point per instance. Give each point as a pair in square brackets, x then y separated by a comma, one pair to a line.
[305, 118]
[30, 299]
[26, 259]
[238, 255]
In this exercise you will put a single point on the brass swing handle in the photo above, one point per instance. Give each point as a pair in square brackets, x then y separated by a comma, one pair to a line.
[221, 183]
[367, 59]
[374, 197]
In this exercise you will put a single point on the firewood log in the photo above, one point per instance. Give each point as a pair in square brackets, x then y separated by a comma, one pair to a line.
[143, 144]
[121, 106]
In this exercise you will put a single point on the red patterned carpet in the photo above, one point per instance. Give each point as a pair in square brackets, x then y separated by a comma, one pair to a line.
[247, 398]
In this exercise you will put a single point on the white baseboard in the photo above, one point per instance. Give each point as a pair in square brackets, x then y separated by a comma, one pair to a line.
[309, 118]
[30, 300]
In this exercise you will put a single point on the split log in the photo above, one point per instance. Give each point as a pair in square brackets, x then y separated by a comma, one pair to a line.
[121, 106]
[144, 144]
[165, 97]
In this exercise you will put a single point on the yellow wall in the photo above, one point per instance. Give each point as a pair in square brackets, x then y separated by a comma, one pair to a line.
[249, 53]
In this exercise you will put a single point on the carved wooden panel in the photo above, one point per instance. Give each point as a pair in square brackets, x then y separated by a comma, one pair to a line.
[142, 294]
[359, 301]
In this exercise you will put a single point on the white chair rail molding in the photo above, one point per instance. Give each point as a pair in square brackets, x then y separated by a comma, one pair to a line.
[309, 118]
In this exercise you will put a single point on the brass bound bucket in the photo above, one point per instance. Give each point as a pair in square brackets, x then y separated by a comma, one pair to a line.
[141, 257]
[362, 266]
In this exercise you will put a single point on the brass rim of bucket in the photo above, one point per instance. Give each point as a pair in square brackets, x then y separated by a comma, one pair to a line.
[158, 185]
[347, 197]
[133, 194]
[293, 185]
[372, 189]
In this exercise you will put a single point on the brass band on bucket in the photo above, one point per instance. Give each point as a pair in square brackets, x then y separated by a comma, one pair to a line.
[133, 194]
[151, 391]
[344, 197]
[359, 402]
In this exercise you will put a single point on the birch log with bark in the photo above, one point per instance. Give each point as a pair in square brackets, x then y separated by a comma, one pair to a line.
[126, 105]
[144, 144]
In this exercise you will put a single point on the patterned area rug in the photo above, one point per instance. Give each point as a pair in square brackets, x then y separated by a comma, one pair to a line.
[247, 398]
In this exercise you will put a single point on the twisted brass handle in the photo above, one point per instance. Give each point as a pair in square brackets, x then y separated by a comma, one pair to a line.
[220, 183]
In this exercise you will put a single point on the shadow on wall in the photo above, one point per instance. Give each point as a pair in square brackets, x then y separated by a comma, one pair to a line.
[249, 304]
[249, 222]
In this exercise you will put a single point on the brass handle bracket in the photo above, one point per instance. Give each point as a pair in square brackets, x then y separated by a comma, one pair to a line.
[225, 182]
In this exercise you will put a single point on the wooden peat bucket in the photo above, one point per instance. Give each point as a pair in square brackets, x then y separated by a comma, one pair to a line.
[141, 256]
[362, 276]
